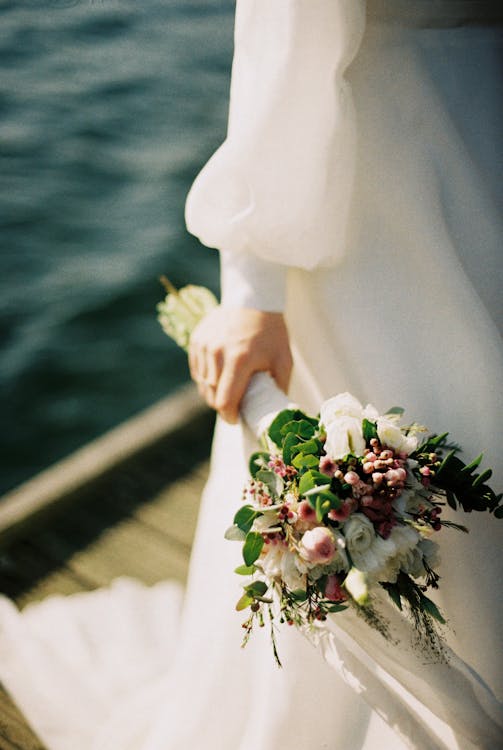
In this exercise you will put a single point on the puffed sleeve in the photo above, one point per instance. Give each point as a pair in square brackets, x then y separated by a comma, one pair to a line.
[280, 185]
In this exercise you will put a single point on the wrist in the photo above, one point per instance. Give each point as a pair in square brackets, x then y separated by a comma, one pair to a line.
[249, 281]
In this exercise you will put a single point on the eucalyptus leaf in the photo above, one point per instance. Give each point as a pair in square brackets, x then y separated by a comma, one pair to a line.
[258, 461]
[311, 479]
[310, 446]
[301, 427]
[245, 570]
[245, 517]
[252, 547]
[290, 444]
[272, 481]
[399, 410]
[257, 588]
[235, 534]
[244, 602]
[305, 462]
[274, 431]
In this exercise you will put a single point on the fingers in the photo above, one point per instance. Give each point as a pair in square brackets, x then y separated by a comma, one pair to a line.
[231, 388]
[205, 368]
[281, 370]
[225, 350]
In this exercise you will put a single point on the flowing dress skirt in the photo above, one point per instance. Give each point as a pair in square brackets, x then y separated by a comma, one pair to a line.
[409, 316]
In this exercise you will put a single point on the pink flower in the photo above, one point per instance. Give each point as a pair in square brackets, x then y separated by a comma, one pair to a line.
[306, 512]
[318, 545]
[333, 590]
[345, 510]
[327, 466]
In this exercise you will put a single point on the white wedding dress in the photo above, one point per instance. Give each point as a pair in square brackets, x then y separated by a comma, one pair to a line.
[359, 182]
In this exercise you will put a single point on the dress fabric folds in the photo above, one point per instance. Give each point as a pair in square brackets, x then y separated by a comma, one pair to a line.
[363, 156]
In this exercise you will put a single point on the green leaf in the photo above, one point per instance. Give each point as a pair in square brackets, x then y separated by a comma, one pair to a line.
[245, 517]
[394, 593]
[289, 445]
[244, 602]
[257, 588]
[311, 446]
[252, 547]
[432, 609]
[395, 410]
[235, 534]
[469, 468]
[285, 416]
[437, 440]
[301, 427]
[299, 595]
[321, 507]
[258, 461]
[336, 608]
[369, 430]
[487, 474]
[305, 462]
[312, 479]
[245, 570]
[445, 462]
[272, 481]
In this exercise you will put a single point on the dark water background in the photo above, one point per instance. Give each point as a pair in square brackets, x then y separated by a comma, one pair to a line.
[108, 108]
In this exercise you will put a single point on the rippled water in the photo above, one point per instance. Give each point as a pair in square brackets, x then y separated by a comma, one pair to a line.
[108, 108]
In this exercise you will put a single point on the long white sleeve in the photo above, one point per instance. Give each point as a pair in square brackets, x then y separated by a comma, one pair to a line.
[282, 180]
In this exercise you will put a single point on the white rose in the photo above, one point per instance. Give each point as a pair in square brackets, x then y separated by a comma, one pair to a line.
[293, 571]
[359, 533]
[344, 435]
[343, 405]
[279, 563]
[392, 436]
[369, 552]
[370, 413]
[403, 540]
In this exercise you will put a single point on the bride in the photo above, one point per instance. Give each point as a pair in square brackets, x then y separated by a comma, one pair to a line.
[354, 204]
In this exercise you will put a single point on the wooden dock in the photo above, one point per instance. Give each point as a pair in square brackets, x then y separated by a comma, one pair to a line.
[125, 505]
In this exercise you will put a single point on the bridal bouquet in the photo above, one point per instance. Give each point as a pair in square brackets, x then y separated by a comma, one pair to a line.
[342, 507]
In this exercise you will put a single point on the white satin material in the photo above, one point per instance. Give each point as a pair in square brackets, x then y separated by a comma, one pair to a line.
[289, 156]
[407, 313]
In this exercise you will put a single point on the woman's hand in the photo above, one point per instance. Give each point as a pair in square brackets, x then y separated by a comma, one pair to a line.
[229, 346]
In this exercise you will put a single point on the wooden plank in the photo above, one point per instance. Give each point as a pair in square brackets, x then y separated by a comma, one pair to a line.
[26, 574]
[173, 511]
[177, 421]
[127, 549]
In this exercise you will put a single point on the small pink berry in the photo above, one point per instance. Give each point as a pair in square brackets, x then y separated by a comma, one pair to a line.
[351, 477]
[368, 467]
